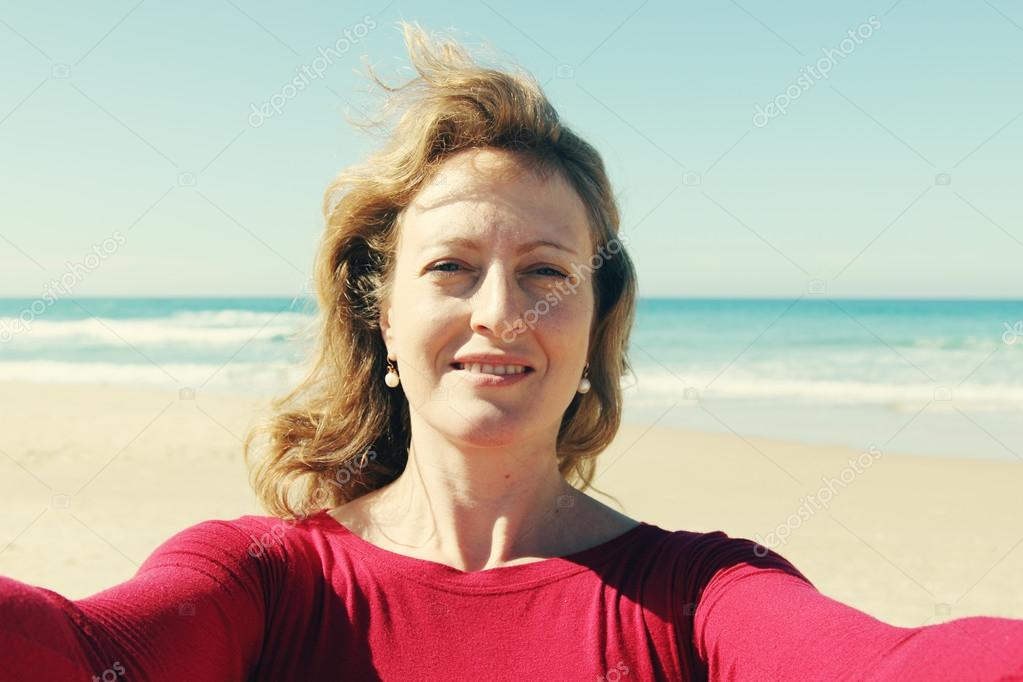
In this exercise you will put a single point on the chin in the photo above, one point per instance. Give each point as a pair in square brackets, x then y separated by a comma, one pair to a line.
[488, 427]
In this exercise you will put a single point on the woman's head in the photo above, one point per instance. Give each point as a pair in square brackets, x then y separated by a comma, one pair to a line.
[423, 259]
[487, 244]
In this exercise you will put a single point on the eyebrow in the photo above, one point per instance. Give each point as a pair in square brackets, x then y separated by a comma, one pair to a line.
[523, 248]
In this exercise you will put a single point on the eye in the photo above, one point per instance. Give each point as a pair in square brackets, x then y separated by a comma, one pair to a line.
[438, 266]
[555, 272]
[451, 267]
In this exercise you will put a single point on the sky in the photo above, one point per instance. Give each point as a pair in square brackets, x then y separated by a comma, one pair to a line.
[757, 149]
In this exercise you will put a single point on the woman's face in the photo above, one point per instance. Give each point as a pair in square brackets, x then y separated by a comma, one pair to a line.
[469, 279]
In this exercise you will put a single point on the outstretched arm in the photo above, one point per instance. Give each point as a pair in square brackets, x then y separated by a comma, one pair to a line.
[194, 610]
[758, 618]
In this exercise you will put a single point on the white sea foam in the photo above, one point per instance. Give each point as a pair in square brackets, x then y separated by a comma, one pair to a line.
[650, 387]
[225, 327]
[247, 378]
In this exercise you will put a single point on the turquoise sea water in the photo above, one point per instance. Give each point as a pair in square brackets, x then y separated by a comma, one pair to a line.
[925, 376]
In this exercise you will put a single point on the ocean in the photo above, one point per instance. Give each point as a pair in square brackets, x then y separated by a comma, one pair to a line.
[931, 377]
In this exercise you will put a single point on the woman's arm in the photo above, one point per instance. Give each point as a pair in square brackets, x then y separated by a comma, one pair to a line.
[194, 610]
[758, 618]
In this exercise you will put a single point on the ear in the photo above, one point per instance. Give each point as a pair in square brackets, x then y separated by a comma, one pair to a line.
[385, 328]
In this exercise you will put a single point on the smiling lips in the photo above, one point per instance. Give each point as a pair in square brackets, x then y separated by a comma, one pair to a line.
[492, 369]
[492, 375]
[499, 370]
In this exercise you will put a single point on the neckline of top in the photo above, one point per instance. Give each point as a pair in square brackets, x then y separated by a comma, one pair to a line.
[497, 579]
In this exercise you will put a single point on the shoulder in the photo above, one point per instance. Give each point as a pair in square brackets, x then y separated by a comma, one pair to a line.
[238, 543]
[224, 533]
[687, 575]
[709, 555]
[687, 568]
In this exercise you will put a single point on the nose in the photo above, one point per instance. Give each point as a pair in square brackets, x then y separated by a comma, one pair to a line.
[495, 305]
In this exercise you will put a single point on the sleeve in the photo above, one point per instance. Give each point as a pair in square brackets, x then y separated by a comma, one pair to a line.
[194, 610]
[759, 618]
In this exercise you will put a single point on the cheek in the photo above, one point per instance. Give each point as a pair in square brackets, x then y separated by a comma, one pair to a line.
[567, 315]
[428, 332]
[422, 323]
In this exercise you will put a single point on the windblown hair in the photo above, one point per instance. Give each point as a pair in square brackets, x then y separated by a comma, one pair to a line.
[342, 432]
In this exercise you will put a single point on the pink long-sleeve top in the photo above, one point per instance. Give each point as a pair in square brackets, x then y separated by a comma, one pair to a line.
[259, 598]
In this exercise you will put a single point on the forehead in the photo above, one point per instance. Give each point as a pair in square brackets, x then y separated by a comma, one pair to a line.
[490, 194]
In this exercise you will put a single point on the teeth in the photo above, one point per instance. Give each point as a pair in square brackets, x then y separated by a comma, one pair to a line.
[499, 370]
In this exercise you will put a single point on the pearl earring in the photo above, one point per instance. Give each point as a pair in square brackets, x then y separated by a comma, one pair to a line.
[584, 384]
[391, 378]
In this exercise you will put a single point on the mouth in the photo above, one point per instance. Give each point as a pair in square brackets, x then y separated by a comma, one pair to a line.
[492, 370]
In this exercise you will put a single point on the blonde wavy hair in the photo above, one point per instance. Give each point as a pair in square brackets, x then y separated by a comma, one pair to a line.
[341, 433]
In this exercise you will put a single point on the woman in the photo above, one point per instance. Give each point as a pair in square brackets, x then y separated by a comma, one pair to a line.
[476, 304]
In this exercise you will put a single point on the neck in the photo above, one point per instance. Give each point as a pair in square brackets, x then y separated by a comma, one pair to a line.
[477, 507]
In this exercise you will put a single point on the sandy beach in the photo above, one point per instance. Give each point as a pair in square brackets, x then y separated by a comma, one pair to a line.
[93, 478]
